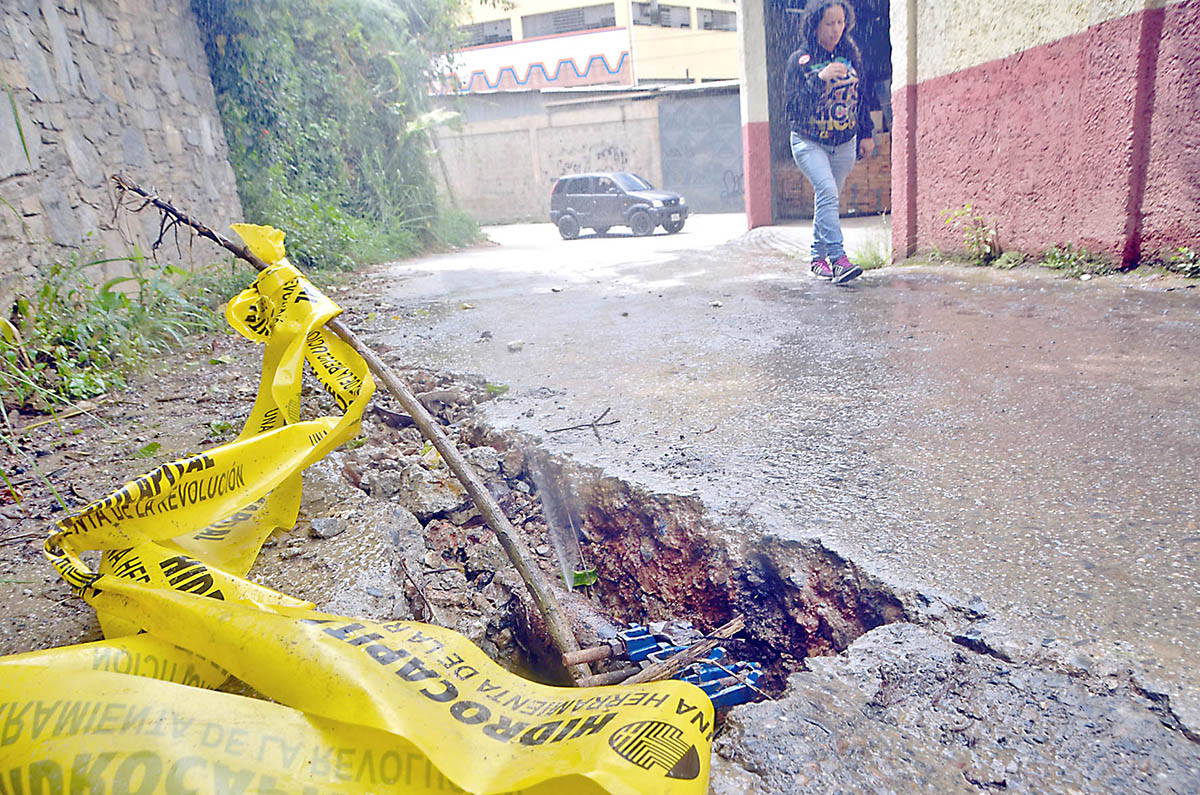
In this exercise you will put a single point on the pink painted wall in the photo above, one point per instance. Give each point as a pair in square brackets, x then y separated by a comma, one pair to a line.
[756, 166]
[1093, 139]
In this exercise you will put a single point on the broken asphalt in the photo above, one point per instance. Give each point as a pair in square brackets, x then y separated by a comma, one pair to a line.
[1013, 447]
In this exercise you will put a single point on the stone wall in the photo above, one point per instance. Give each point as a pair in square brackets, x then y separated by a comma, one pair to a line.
[101, 87]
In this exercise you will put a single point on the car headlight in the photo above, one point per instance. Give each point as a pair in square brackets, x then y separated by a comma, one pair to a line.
[657, 203]
[682, 200]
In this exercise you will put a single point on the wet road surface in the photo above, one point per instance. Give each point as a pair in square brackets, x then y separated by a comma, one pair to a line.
[1015, 436]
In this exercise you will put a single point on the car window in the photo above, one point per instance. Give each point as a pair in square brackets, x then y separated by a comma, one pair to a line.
[606, 185]
[579, 185]
[631, 181]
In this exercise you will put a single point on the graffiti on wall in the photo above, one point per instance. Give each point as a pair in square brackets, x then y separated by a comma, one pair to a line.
[732, 186]
[607, 158]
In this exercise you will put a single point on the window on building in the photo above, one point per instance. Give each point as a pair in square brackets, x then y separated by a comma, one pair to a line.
[658, 15]
[487, 32]
[707, 19]
[567, 20]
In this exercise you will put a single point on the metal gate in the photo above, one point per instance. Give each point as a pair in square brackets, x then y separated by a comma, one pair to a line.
[701, 138]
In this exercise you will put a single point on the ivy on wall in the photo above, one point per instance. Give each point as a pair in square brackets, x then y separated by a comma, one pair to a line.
[325, 109]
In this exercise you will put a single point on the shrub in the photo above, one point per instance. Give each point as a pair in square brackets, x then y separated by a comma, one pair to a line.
[325, 108]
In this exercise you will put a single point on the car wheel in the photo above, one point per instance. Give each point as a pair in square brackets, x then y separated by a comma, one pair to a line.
[641, 223]
[568, 227]
[673, 226]
[601, 230]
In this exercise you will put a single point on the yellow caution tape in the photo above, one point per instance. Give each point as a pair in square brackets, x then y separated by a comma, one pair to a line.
[370, 706]
[136, 655]
[102, 732]
[437, 689]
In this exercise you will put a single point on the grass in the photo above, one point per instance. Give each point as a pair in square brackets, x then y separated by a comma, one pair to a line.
[68, 339]
[875, 250]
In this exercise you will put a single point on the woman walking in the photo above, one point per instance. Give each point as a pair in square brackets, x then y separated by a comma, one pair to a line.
[831, 123]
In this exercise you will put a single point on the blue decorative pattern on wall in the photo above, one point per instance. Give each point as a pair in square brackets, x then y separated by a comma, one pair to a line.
[536, 75]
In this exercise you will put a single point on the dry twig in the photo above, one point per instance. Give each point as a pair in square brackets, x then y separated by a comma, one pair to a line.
[595, 424]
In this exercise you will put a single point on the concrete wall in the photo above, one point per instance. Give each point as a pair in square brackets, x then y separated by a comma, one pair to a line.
[1069, 123]
[502, 165]
[101, 87]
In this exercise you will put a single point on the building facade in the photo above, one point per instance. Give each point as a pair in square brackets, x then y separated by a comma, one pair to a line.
[538, 44]
[1071, 123]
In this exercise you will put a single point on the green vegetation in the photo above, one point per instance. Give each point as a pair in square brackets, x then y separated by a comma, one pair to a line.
[1009, 260]
[875, 251]
[325, 108]
[1073, 261]
[979, 237]
[68, 339]
[1184, 261]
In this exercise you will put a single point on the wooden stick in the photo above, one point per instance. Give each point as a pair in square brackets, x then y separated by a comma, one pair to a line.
[610, 678]
[590, 654]
[680, 660]
[556, 622]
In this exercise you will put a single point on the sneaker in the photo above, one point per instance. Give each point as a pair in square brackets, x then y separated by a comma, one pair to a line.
[820, 268]
[843, 270]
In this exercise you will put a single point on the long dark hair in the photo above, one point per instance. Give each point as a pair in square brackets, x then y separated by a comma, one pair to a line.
[814, 11]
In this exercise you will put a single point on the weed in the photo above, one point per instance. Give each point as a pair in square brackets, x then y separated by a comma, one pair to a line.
[219, 428]
[147, 451]
[980, 238]
[875, 250]
[1076, 261]
[69, 339]
[455, 229]
[1009, 260]
[1185, 261]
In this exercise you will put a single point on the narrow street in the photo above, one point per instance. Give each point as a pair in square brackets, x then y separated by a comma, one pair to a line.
[1015, 441]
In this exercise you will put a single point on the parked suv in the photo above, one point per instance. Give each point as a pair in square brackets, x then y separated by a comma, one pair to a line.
[614, 198]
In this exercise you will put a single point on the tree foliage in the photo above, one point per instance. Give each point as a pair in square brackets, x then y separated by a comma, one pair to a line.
[322, 103]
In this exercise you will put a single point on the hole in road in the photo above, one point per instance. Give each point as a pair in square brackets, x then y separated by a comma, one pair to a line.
[658, 558]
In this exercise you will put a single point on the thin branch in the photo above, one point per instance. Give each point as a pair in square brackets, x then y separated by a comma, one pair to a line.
[557, 625]
[594, 424]
[741, 678]
[420, 591]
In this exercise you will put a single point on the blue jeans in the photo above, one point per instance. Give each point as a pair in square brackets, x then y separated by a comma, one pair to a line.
[826, 168]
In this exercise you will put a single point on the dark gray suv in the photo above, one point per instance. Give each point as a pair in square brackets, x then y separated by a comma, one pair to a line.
[614, 198]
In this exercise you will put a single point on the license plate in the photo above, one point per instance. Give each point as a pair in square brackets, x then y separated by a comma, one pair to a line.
[674, 216]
